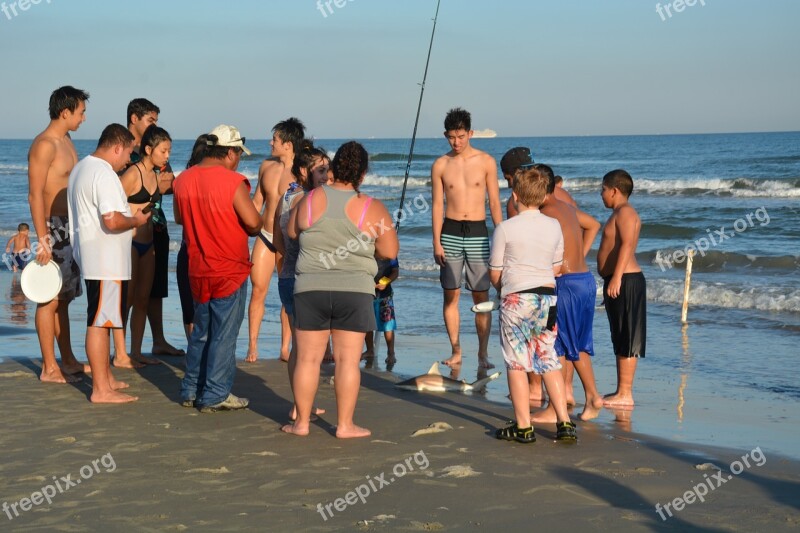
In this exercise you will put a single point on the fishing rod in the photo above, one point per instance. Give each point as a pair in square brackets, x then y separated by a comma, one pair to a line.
[400, 211]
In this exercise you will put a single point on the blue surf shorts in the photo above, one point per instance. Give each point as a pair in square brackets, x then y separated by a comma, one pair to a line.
[576, 295]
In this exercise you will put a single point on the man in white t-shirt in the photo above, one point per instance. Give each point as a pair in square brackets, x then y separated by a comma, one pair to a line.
[99, 223]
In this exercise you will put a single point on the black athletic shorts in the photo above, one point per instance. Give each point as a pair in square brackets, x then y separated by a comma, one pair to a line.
[161, 249]
[627, 315]
[326, 310]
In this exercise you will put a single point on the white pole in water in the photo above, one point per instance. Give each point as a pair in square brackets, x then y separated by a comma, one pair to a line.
[686, 284]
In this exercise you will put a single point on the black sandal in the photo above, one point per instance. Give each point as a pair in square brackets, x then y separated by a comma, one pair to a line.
[565, 432]
[513, 432]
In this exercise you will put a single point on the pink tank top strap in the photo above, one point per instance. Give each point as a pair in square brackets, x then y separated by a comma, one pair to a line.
[308, 205]
[364, 212]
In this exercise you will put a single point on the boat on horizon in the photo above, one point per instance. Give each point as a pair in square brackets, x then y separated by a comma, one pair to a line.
[484, 134]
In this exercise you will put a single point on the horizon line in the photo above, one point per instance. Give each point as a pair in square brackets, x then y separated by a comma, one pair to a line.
[372, 138]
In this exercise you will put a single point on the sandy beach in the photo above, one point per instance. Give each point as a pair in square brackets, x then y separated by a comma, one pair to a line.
[156, 466]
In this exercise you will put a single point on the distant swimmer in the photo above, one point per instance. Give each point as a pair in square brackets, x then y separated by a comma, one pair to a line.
[624, 287]
[461, 180]
[19, 246]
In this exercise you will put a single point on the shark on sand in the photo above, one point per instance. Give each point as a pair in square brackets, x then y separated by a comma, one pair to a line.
[434, 381]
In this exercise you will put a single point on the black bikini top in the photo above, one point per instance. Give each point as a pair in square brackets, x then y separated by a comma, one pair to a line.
[143, 196]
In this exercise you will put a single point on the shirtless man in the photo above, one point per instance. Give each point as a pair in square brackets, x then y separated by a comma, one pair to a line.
[576, 290]
[462, 179]
[624, 287]
[50, 160]
[274, 177]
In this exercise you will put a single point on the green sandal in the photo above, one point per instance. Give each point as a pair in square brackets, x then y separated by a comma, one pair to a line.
[565, 432]
[514, 432]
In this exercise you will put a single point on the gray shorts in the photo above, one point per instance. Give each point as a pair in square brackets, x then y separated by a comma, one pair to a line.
[466, 248]
[58, 229]
[326, 310]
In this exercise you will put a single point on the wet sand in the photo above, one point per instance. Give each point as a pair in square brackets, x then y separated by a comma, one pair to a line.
[177, 469]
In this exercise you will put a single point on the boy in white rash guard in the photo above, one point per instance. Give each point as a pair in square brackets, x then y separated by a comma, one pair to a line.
[524, 270]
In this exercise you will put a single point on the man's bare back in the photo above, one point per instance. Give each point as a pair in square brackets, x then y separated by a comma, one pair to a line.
[273, 179]
[574, 260]
[619, 240]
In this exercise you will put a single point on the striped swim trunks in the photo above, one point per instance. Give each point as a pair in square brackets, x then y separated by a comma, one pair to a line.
[466, 244]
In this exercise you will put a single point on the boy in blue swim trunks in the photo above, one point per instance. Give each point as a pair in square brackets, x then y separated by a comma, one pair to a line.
[576, 290]
[388, 270]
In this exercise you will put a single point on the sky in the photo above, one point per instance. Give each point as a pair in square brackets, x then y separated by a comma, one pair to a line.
[521, 67]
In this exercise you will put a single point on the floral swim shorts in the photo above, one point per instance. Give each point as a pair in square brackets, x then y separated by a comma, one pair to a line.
[528, 332]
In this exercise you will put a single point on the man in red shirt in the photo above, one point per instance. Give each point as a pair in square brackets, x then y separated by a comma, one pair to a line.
[212, 202]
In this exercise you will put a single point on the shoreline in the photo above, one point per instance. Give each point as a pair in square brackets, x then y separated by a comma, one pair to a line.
[175, 468]
[684, 391]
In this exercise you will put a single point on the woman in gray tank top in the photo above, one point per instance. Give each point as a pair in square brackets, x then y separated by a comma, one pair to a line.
[340, 232]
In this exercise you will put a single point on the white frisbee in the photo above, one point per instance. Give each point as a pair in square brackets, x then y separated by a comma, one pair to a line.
[486, 307]
[41, 283]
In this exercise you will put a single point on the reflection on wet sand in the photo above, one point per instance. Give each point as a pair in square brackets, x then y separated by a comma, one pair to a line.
[686, 363]
[17, 303]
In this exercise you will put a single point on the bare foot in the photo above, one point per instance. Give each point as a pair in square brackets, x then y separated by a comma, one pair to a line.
[117, 385]
[295, 429]
[121, 361]
[391, 360]
[545, 416]
[112, 397]
[618, 400]
[592, 408]
[352, 432]
[139, 358]
[57, 376]
[252, 357]
[75, 368]
[314, 412]
[455, 360]
[483, 362]
[367, 354]
[166, 349]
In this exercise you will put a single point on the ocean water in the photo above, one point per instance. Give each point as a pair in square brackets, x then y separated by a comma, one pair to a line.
[733, 197]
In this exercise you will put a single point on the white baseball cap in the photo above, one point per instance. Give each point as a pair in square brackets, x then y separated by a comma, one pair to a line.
[229, 136]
